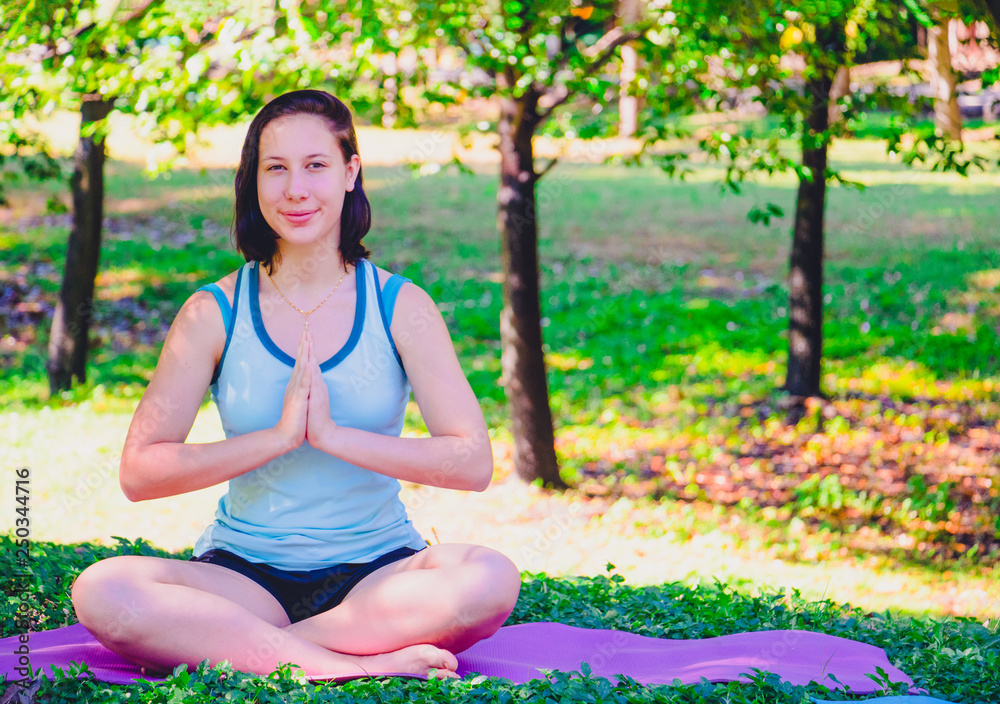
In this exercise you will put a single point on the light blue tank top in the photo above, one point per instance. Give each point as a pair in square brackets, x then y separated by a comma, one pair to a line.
[307, 509]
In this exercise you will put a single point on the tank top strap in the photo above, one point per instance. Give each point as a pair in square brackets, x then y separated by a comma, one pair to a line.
[378, 316]
[223, 303]
[229, 314]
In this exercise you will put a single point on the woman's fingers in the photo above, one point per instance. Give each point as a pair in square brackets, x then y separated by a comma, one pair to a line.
[316, 373]
[294, 412]
[310, 344]
[319, 425]
[299, 377]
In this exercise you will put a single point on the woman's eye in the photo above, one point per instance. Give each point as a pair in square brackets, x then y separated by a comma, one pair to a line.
[314, 164]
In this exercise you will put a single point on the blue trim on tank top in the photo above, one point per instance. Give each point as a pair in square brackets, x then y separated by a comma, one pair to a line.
[228, 317]
[220, 298]
[385, 309]
[277, 352]
[392, 287]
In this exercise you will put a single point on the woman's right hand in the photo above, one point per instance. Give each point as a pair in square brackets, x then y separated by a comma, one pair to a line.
[295, 407]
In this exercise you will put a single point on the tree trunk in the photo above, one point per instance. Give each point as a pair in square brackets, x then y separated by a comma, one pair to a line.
[71, 322]
[522, 359]
[805, 324]
[947, 117]
[628, 105]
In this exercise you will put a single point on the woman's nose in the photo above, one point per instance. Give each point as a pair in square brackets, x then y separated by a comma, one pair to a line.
[295, 187]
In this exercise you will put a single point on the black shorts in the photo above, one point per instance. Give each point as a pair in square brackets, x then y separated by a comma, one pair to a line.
[306, 593]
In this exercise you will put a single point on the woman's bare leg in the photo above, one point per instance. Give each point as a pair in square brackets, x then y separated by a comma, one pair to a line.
[450, 596]
[160, 613]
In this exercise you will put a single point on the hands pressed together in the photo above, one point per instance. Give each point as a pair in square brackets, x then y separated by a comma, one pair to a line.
[305, 412]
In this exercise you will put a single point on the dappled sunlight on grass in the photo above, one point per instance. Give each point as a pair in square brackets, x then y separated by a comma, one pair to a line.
[709, 541]
[74, 453]
[129, 282]
[177, 196]
[913, 480]
[902, 378]
[978, 183]
[665, 319]
[986, 281]
[566, 362]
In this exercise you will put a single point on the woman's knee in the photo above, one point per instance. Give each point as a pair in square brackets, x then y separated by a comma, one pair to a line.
[108, 596]
[493, 583]
[488, 583]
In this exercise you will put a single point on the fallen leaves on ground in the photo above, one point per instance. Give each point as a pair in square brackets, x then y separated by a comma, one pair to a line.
[916, 479]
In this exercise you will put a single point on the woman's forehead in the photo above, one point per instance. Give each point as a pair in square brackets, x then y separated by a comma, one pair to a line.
[296, 134]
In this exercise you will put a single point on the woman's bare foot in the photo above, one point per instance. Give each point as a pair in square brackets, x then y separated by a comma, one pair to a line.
[414, 660]
[153, 671]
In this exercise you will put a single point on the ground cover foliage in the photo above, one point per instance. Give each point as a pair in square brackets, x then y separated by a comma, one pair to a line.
[955, 659]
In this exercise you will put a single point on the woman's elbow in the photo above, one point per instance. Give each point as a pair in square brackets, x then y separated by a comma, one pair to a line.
[132, 493]
[482, 472]
[128, 479]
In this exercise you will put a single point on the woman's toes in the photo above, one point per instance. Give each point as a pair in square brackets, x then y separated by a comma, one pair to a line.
[433, 658]
[445, 674]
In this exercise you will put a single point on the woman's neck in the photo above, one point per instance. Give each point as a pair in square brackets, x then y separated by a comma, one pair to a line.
[312, 268]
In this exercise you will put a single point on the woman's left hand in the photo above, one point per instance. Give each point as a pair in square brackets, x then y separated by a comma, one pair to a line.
[319, 424]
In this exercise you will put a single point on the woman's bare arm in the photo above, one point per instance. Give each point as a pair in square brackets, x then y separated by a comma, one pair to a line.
[156, 460]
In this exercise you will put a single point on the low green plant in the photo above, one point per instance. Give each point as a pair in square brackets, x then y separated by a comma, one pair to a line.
[956, 659]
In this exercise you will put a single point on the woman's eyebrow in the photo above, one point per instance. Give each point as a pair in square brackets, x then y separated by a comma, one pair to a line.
[281, 158]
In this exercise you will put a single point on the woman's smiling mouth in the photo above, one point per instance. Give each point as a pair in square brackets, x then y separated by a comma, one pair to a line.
[299, 217]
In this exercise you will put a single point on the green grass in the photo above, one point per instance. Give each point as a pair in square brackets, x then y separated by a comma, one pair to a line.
[665, 319]
[665, 335]
[957, 659]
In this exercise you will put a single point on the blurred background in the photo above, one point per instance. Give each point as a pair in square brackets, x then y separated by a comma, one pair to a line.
[751, 251]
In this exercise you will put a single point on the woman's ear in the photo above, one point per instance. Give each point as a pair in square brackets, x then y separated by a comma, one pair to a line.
[353, 169]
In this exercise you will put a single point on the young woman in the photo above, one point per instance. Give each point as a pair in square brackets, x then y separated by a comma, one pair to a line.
[310, 352]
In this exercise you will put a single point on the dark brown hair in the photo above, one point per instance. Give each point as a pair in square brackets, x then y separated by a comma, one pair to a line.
[254, 238]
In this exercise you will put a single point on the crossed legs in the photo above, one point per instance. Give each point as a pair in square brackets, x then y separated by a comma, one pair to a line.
[409, 616]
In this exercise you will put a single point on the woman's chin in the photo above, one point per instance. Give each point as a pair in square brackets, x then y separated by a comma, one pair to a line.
[302, 237]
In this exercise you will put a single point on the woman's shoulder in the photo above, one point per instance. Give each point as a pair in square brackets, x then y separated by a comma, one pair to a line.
[203, 309]
[227, 284]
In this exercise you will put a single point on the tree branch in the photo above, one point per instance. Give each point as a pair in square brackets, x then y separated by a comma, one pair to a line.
[464, 46]
[604, 42]
[604, 49]
[138, 10]
[552, 162]
[81, 32]
[509, 79]
[479, 43]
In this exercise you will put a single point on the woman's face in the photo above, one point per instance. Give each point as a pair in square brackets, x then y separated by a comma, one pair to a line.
[301, 180]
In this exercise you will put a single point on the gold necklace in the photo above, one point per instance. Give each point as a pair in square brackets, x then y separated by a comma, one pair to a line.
[305, 313]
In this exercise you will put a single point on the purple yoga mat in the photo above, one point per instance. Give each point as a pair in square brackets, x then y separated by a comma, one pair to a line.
[798, 657]
[520, 653]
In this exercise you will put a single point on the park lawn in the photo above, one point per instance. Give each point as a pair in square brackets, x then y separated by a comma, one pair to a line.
[665, 344]
[955, 659]
[664, 325]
